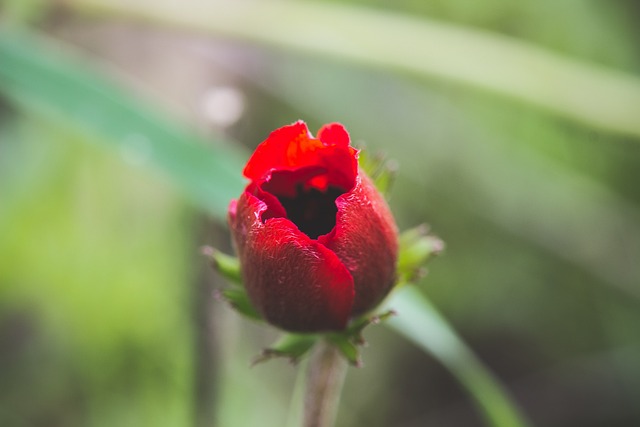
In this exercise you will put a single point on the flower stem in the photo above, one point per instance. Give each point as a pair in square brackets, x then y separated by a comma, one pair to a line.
[326, 372]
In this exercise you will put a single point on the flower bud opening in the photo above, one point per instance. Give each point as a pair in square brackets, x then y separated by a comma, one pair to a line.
[312, 210]
[306, 203]
[316, 240]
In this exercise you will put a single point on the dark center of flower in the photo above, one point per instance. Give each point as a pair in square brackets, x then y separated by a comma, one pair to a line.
[312, 210]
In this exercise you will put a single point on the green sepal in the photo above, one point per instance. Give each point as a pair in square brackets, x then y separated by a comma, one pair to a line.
[350, 340]
[385, 180]
[295, 346]
[357, 326]
[228, 266]
[348, 347]
[381, 170]
[290, 346]
[417, 247]
[239, 300]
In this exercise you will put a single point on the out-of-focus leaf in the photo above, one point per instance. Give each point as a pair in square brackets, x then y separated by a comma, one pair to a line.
[419, 322]
[426, 48]
[43, 78]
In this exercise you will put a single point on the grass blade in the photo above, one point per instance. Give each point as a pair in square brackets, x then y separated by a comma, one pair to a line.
[595, 96]
[420, 323]
[44, 80]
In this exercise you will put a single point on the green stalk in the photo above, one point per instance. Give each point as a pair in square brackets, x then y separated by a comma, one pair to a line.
[325, 376]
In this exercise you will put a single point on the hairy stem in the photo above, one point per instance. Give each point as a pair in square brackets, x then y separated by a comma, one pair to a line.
[326, 372]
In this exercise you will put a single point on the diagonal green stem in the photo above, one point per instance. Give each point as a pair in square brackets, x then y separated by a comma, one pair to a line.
[325, 376]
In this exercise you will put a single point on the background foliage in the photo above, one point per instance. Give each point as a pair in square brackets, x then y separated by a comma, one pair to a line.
[519, 146]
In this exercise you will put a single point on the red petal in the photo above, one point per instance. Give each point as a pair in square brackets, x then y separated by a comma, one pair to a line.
[293, 281]
[293, 147]
[365, 239]
[334, 133]
[273, 207]
[272, 153]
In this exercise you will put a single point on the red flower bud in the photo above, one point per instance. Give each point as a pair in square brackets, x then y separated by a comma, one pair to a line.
[316, 241]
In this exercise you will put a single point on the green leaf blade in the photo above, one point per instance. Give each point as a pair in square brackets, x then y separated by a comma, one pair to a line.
[420, 323]
[62, 88]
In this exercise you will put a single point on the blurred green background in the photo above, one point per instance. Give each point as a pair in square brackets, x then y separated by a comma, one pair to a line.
[123, 128]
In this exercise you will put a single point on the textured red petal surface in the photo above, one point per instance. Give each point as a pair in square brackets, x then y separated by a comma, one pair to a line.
[365, 240]
[295, 282]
